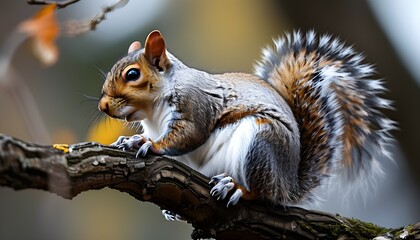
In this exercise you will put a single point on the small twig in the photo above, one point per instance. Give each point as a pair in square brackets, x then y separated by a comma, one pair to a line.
[77, 28]
[60, 4]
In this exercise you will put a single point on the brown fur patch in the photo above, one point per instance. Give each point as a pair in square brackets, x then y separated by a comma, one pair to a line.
[294, 67]
[233, 115]
[311, 121]
[261, 121]
[247, 195]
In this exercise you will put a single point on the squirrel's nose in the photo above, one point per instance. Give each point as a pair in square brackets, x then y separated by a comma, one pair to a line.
[103, 105]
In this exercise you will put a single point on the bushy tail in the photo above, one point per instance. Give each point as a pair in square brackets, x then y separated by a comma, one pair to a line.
[335, 103]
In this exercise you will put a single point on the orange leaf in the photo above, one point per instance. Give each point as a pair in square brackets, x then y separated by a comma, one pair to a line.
[43, 27]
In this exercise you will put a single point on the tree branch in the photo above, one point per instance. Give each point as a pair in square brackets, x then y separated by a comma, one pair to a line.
[60, 4]
[74, 28]
[79, 27]
[172, 186]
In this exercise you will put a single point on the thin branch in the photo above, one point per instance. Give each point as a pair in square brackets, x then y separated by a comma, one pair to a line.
[175, 187]
[74, 28]
[77, 28]
[60, 4]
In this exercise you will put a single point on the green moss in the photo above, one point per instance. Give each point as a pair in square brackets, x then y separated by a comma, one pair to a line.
[409, 228]
[350, 228]
[364, 230]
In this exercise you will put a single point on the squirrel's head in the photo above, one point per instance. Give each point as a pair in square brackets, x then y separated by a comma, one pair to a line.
[134, 82]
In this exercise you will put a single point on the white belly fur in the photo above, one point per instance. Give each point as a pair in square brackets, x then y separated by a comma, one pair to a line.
[225, 151]
[156, 127]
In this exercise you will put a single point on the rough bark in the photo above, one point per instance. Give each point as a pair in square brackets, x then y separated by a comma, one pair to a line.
[172, 186]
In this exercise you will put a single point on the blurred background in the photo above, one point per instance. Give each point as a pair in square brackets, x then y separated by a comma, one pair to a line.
[46, 105]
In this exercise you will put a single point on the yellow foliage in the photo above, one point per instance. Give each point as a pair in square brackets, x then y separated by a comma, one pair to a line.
[107, 131]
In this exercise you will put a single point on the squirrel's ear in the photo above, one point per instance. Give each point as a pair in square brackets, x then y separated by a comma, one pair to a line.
[134, 46]
[155, 50]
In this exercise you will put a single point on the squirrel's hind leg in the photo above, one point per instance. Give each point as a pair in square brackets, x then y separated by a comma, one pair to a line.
[267, 170]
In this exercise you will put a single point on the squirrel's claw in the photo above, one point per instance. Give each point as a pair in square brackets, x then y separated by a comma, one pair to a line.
[233, 200]
[146, 147]
[120, 140]
[225, 184]
[127, 143]
[171, 216]
[217, 178]
[136, 141]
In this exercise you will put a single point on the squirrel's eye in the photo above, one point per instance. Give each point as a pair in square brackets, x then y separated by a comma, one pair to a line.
[132, 74]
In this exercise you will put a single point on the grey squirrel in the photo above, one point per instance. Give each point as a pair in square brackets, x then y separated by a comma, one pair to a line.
[311, 110]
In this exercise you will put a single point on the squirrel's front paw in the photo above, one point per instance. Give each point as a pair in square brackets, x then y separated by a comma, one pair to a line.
[127, 143]
[225, 184]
